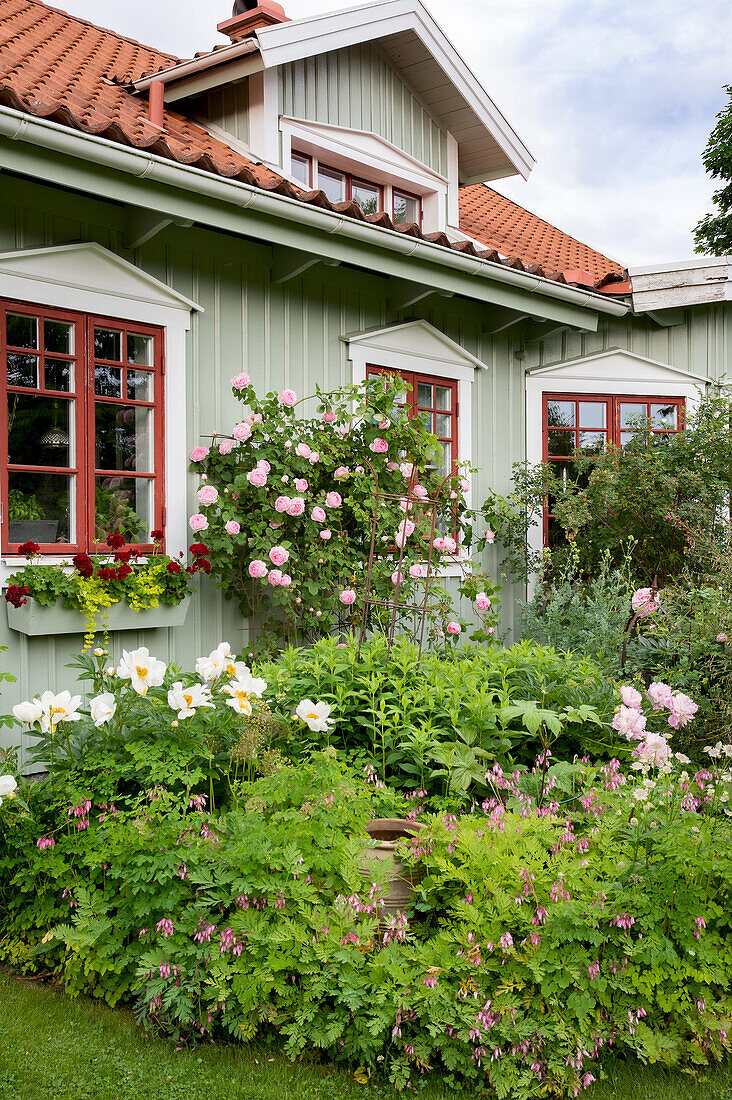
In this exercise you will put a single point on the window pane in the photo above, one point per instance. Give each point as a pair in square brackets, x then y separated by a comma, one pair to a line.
[301, 170]
[139, 385]
[124, 505]
[561, 443]
[592, 443]
[139, 350]
[22, 370]
[58, 336]
[59, 375]
[427, 420]
[625, 438]
[107, 344]
[424, 396]
[592, 414]
[41, 508]
[367, 197]
[22, 331]
[123, 437]
[664, 416]
[633, 414]
[108, 381]
[560, 414]
[39, 430]
[444, 397]
[333, 184]
[406, 209]
[443, 426]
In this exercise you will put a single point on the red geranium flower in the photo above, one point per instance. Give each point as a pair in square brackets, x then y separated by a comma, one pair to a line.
[115, 540]
[202, 566]
[29, 549]
[199, 550]
[157, 536]
[173, 567]
[83, 564]
[17, 596]
[122, 555]
[107, 574]
[123, 571]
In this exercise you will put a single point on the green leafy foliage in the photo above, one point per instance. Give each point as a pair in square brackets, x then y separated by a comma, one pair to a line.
[713, 234]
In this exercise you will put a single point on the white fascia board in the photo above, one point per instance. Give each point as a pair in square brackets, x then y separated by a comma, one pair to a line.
[301, 38]
[681, 265]
[575, 368]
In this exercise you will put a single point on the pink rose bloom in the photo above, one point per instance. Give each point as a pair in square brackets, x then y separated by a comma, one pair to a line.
[420, 492]
[242, 432]
[343, 430]
[630, 722]
[276, 526]
[318, 514]
[297, 507]
[407, 470]
[482, 602]
[454, 628]
[241, 382]
[654, 750]
[439, 543]
[198, 522]
[661, 696]
[464, 484]
[257, 569]
[379, 446]
[360, 470]
[232, 527]
[489, 536]
[278, 555]
[392, 466]
[282, 504]
[416, 571]
[645, 602]
[207, 495]
[396, 577]
[198, 454]
[683, 709]
[288, 398]
[334, 500]
[450, 545]
[314, 457]
[347, 597]
[264, 465]
[329, 417]
[303, 451]
[341, 472]
[326, 535]
[275, 577]
[301, 485]
[406, 527]
[385, 424]
[286, 580]
[226, 446]
[631, 698]
[257, 478]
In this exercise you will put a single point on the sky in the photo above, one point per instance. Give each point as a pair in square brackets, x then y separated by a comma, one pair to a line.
[615, 99]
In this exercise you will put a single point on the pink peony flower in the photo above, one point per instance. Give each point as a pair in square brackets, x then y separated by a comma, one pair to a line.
[258, 478]
[314, 457]
[275, 577]
[450, 545]
[416, 571]
[326, 535]
[722, 639]
[278, 555]
[482, 602]
[303, 451]
[282, 504]
[257, 569]
[454, 628]
[334, 500]
[347, 597]
[242, 432]
[661, 696]
[654, 750]
[379, 446]
[241, 382]
[318, 514]
[683, 709]
[631, 698]
[286, 580]
[198, 522]
[420, 492]
[301, 485]
[232, 527]
[297, 507]
[630, 722]
[329, 417]
[207, 495]
[341, 472]
[288, 398]
[198, 454]
[645, 602]
[226, 446]
[439, 543]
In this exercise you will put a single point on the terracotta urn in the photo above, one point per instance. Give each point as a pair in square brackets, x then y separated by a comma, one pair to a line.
[386, 833]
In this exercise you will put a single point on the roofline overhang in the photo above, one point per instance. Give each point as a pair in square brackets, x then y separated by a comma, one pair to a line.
[132, 176]
[184, 70]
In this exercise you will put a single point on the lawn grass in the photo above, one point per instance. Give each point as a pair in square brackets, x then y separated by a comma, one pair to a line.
[54, 1047]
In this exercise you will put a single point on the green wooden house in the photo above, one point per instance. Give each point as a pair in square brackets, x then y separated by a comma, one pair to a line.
[305, 200]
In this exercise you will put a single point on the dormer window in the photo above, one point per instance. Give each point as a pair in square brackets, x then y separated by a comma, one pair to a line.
[302, 170]
[407, 209]
[339, 186]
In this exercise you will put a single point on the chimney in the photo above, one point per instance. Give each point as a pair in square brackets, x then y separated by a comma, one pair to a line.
[250, 16]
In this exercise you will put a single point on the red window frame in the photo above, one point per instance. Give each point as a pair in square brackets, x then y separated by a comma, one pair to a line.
[407, 195]
[414, 378]
[613, 431]
[82, 464]
[351, 179]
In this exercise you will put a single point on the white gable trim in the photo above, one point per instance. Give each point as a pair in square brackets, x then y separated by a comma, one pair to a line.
[590, 366]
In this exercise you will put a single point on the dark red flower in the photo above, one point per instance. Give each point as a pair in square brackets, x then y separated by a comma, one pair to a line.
[107, 574]
[29, 549]
[83, 564]
[115, 540]
[123, 571]
[203, 566]
[199, 550]
[173, 567]
[17, 596]
[157, 536]
[122, 555]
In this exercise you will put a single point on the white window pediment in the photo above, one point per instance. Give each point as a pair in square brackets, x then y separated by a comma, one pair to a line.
[614, 366]
[414, 346]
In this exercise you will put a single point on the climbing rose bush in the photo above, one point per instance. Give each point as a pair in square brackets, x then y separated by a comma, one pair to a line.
[286, 504]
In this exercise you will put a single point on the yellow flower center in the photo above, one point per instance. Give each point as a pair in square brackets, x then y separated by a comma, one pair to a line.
[188, 699]
[315, 717]
[57, 710]
[242, 696]
[141, 671]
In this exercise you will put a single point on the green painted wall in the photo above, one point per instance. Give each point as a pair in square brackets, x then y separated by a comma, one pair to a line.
[359, 89]
[227, 107]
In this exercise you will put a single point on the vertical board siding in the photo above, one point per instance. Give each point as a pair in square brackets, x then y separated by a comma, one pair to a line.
[358, 88]
[227, 107]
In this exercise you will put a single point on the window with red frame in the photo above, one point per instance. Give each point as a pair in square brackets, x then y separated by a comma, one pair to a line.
[587, 423]
[435, 399]
[344, 187]
[81, 429]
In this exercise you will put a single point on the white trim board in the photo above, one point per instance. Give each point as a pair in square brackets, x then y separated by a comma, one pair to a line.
[585, 366]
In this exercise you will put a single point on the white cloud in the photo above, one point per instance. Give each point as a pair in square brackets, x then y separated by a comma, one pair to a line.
[615, 98]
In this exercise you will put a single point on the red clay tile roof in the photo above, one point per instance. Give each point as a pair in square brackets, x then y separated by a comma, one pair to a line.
[513, 231]
[58, 67]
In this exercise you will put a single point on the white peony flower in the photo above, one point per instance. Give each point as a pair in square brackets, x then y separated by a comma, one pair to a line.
[59, 708]
[102, 709]
[314, 715]
[7, 786]
[28, 713]
[211, 667]
[186, 700]
[142, 670]
[243, 689]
